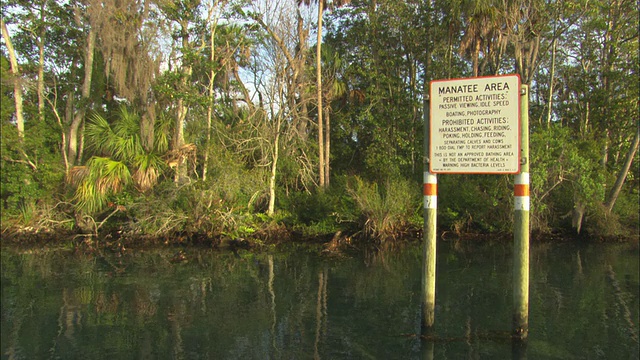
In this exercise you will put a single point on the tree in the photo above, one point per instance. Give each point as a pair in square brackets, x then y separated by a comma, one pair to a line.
[131, 38]
[334, 88]
[34, 19]
[481, 33]
[622, 175]
[230, 48]
[322, 155]
[75, 136]
[185, 17]
[377, 128]
[281, 88]
[276, 88]
[603, 78]
[17, 83]
[213, 16]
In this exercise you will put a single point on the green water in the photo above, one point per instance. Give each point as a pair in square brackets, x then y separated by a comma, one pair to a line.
[298, 305]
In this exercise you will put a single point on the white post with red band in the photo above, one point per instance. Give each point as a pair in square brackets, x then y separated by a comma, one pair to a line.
[521, 192]
[522, 206]
[430, 193]
[430, 190]
[430, 211]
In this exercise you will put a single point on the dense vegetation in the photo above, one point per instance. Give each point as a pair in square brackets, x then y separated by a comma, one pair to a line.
[207, 119]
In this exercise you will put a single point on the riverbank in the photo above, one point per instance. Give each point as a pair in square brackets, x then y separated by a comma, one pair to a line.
[267, 238]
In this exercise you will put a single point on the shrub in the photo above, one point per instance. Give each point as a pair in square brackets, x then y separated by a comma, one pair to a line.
[385, 213]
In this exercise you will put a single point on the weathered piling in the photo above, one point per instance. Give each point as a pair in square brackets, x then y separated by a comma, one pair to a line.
[521, 228]
[430, 210]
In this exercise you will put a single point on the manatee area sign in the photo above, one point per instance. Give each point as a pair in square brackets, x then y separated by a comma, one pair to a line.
[478, 126]
[475, 125]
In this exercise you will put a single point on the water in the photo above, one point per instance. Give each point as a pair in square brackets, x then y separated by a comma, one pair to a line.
[296, 305]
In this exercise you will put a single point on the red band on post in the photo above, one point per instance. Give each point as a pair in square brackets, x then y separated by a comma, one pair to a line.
[521, 190]
[430, 189]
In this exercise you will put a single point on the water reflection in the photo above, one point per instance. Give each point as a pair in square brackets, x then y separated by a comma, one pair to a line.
[296, 305]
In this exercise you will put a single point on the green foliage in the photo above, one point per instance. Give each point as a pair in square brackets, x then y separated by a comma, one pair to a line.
[384, 213]
[627, 209]
[7, 105]
[97, 180]
[565, 171]
[377, 123]
[374, 91]
[120, 140]
[356, 205]
[319, 213]
[31, 171]
[224, 205]
[119, 160]
[468, 203]
[235, 184]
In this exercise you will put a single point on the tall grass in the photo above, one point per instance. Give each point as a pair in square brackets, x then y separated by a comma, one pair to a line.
[387, 212]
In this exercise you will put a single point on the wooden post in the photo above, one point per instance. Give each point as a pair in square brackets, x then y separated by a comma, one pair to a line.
[521, 228]
[430, 210]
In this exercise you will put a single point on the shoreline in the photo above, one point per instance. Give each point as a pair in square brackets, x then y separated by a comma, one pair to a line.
[263, 240]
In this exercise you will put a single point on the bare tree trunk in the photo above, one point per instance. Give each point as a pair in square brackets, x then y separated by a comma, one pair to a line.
[40, 43]
[274, 169]
[551, 80]
[212, 76]
[40, 88]
[622, 175]
[303, 114]
[17, 86]
[63, 148]
[147, 127]
[178, 142]
[205, 161]
[327, 147]
[319, 92]
[81, 142]
[178, 135]
[476, 58]
[577, 214]
[78, 119]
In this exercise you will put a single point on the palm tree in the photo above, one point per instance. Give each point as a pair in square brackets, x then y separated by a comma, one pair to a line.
[322, 4]
[336, 88]
[481, 28]
[120, 159]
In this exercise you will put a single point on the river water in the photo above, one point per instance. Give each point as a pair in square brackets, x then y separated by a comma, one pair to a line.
[294, 304]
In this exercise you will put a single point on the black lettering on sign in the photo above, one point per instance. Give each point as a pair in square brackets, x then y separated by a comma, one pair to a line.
[496, 86]
[457, 89]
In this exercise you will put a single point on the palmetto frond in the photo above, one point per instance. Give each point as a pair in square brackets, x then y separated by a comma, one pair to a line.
[77, 174]
[127, 147]
[99, 135]
[87, 198]
[128, 123]
[119, 154]
[111, 174]
[120, 140]
[148, 168]
[95, 181]
[161, 133]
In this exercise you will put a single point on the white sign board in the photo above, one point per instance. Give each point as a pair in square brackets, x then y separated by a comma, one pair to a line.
[475, 125]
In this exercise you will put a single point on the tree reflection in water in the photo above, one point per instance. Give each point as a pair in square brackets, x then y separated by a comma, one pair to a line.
[584, 303]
